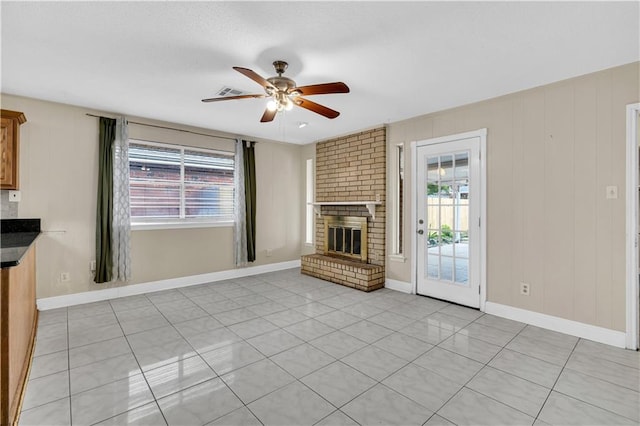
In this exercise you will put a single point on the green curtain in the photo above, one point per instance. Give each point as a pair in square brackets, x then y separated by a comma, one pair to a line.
[250, 197]
[104, 214]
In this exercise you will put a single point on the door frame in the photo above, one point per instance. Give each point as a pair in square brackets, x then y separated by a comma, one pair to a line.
[632, 183]
[482, 134]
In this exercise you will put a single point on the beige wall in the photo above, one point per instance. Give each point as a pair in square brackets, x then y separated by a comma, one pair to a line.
[58, 184]
[551, 151]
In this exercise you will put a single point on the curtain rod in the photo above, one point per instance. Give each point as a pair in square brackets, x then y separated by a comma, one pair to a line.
[169, 128]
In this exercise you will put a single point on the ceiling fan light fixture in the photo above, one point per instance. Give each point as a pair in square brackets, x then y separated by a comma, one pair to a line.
[283, 94]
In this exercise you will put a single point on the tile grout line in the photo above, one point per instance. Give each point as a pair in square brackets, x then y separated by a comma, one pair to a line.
[69, 368]
[475, 374]
[577, 398]
[556, 381]
[155, 400]
[198, 354]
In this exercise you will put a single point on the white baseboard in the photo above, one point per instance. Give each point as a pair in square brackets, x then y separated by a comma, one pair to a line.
[150, 287]
[561, 325]
[398, 285]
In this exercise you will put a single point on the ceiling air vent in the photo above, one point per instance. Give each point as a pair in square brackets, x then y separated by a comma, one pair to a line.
[229, 91]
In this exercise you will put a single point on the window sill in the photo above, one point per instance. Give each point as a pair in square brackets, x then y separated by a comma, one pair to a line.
[397, 258]
[178, 225]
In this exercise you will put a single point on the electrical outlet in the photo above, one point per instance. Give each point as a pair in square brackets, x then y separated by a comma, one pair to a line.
[15, 196]
[269, 252]
[612, 192]
[65, 277]
[524, 289]
[92, 266]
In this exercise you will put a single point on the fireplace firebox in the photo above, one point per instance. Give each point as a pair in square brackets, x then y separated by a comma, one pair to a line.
[346, 236]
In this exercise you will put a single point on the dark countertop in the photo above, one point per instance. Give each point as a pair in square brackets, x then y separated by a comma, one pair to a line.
[16, 236]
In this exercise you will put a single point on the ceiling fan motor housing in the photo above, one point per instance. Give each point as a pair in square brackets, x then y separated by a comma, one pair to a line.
[282, 84]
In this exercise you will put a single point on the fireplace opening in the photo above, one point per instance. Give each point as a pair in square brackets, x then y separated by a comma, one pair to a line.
[346, 236]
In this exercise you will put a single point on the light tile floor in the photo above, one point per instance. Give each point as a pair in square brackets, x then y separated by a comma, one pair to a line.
[286, 349]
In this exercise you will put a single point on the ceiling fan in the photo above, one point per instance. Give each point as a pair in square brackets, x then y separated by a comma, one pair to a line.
[285, 94]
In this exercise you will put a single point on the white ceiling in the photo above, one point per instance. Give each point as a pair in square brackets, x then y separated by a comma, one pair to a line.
[400, 59]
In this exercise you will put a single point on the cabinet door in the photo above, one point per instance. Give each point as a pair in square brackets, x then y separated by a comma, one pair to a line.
[8, 155]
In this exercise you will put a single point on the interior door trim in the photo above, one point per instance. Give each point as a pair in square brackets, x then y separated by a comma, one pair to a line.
[482, 134]
[632, 210]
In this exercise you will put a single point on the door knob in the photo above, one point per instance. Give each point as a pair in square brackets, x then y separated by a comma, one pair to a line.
[420, 231]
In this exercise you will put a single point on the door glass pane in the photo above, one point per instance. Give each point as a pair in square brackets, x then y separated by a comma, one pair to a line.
[433, 264]
[445, 191]
[461, 222]
[446, 168]
[462, 270]
[433, 217]
[447, 216]
[462, 186]
[462, 165]
[462, 247]
[446, 271]
[446, 245]
[433, 174]
[433, 238]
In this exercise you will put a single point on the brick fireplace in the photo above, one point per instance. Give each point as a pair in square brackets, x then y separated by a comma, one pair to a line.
[350, 169]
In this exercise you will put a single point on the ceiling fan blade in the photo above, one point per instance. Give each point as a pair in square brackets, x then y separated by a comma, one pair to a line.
[268, 116]
[317, 108]
[322, 89]
[254, 76]
[228, 98]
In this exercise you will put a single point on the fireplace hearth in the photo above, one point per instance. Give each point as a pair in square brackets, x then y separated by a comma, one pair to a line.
[344, 251]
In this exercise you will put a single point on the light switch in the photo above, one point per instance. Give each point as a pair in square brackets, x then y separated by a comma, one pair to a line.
[612, 192]
[14, 196]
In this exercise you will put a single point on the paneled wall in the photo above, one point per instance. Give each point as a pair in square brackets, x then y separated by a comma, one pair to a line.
[551, 153]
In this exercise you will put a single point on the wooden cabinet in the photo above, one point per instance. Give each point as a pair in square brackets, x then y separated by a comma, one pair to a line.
[18, 319]
[10, 148]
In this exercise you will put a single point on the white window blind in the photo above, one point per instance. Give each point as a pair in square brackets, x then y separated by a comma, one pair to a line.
[170, 184]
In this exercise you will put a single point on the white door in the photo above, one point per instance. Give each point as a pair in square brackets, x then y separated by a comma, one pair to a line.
[448, 220]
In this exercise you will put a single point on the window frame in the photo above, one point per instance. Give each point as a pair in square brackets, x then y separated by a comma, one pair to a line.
[141, 224]
[309, 236]
[397, 197]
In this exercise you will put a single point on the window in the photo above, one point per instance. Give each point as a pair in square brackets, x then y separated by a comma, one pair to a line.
[172, 184]
[309, 221]
[397, 199]
[400, 198]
